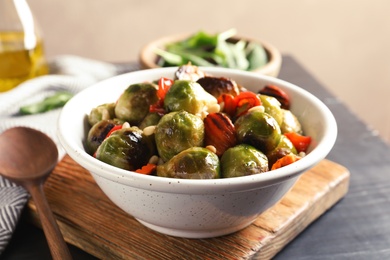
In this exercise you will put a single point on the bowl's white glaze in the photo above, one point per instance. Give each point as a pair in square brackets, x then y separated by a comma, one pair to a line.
[195, 208]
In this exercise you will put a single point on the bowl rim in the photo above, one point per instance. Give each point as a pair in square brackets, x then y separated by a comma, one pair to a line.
[185, 186]
[147, 57]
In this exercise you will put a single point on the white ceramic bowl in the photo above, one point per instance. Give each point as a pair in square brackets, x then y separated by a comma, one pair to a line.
[195, 208]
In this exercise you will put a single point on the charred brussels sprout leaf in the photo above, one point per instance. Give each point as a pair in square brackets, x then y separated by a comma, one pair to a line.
[102, 112]
[127, 148]
[176, 132]
[243, 160]
[259, 130]
[192, 163]
[189, 96]
[133, 105]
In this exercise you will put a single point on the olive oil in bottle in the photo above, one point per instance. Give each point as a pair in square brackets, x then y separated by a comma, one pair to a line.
[19, 62]
[21, 49]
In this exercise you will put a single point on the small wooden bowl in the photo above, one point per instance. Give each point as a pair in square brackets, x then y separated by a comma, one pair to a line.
[148, 59]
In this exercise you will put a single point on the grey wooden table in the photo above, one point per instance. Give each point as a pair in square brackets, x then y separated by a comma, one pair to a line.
[358, 227]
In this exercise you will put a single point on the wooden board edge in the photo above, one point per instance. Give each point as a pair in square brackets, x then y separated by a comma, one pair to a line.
[318, 207]
[277, 242]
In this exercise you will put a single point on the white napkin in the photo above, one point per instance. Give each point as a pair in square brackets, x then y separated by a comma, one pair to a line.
[69, 73]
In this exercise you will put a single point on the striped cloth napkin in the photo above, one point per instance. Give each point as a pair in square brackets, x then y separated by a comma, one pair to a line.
[67, 73]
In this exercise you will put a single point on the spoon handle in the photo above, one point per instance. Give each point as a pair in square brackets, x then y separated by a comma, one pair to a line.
[55, 240]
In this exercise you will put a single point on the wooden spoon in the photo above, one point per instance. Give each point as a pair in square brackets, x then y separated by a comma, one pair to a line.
[27, 157]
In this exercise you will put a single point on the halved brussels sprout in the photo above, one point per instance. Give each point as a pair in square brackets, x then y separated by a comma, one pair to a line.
[192, 163]
[189, 96]
[176, 132]
[272, 107]
[284, 147]
[98, 132]
[258, 129]
[133, 105]
[290, 123]
[101, 112]
[243, 160]
[127, 148]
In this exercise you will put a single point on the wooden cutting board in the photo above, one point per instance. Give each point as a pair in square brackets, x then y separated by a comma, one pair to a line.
[91, 222]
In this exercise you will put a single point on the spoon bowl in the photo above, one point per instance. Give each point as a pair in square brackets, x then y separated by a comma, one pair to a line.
[19, 146]
[27, 157]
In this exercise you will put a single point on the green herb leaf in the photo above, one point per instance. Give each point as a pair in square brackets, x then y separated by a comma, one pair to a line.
[202, 49]
[256, 55]
[169, 57]
[238, 51]
[57, 100]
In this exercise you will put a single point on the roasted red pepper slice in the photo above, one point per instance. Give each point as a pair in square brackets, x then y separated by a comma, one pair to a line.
[285, 160]
[158, 107]
[229, 104]
[147, 169]
[244, 101]
[163, 86]
[300, 142]
[240, 104]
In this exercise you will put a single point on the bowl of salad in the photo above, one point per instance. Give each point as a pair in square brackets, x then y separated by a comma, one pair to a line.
[196, 152]
[225, 49]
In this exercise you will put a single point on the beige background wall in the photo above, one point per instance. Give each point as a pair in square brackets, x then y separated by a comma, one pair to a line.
[344, 43]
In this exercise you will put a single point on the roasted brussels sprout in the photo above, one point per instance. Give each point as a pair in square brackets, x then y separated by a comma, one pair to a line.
[284, 147]
[189, 96]
[243, 160]
[272, 107]
[133, 105]
[149, 120]
[127, 148]
[258, 129]
[218, 86]
[102, 112]
[178, 131]
[192, 163]
[290, 123]
[98, 132]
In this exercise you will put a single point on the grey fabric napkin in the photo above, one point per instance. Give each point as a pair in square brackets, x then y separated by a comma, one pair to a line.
[70, 73]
